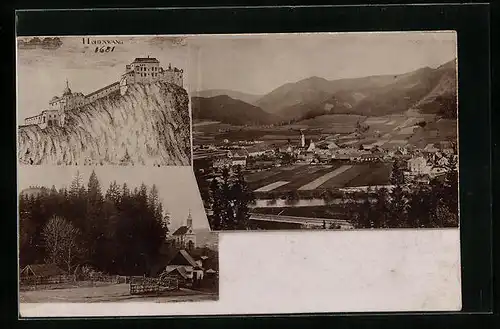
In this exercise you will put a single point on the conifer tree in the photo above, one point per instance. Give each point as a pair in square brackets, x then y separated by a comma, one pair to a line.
[242, 197]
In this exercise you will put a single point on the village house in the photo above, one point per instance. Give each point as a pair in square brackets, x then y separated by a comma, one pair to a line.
[286, 149]
[238, 161]
[183, 267]
[418, 166]
[430, 148]
[256, 150]
[436, 171]
[42, 273]
[370, 157]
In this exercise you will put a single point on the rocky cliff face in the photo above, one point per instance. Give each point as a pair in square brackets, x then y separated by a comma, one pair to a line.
[149, 125]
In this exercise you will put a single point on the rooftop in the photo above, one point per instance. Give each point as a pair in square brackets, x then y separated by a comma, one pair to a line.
[145, 60]
[43, 270]
[181, 230]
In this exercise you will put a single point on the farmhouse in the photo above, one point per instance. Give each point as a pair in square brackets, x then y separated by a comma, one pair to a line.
[430, 148]
[370, 157]
[257, 150]
[41, 271]
[42, 274]
[239, 161]
[184, 265]
[418, 166]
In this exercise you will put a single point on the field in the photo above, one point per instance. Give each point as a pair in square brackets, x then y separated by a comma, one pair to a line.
[394, 130]
[319, 177]
[107, 293]
[330, 211]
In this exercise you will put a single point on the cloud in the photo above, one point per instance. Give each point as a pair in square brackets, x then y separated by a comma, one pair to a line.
[167, 42]
[45, 43]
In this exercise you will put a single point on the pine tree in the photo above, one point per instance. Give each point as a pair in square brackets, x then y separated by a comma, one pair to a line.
[94, 194]
[216, 205]
[380, 212]
[227, 214]
[397, 215]
[95, 226]
[242, 197]
[397, 174]
[76, 186]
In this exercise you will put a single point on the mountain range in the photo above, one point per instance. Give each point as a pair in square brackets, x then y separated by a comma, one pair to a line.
[427, 90]
[229, 110]
[247, 98]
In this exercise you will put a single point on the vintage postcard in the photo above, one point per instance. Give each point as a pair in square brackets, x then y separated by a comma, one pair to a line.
[103, 101]
[326, 131]
[113, 234]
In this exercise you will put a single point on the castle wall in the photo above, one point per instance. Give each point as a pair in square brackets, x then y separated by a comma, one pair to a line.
[102, 92]
[172, 76]
[34, 120]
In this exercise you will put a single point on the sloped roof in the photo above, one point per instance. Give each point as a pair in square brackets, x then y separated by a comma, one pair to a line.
[182, 258]
[181, 270]
[430, 146]
[188, 257]
[181, 230]
[43, 270]
[257, 148]
[239, 153]
[146, 60]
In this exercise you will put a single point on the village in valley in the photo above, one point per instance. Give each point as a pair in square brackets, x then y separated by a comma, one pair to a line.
[317, 150]
[294, 180]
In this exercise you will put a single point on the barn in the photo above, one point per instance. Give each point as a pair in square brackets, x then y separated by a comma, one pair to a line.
[42, 273]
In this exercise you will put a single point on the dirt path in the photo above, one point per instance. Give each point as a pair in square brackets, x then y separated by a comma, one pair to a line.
[110, 293]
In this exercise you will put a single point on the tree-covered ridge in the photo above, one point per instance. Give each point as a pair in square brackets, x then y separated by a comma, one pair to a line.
[119, 231]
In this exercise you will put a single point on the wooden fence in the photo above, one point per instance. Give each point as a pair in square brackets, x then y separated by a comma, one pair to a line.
[33, 281]
[144, 285]
[47, 280]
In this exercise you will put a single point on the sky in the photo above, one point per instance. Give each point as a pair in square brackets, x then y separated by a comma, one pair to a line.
[42, 73]
[257, 64]
[254, 64]
[177, 186]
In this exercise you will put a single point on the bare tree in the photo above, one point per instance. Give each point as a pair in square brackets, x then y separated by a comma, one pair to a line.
[61, 242]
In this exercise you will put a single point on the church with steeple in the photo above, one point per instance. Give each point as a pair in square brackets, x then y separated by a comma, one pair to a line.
[184, 236]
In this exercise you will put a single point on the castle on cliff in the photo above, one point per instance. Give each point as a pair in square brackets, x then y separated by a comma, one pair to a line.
[143, 70]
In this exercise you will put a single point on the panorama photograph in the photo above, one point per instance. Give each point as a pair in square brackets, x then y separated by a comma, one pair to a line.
[327, 131]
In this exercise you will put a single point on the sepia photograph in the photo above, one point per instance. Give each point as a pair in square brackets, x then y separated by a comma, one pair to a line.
[98, 100]
[327, 131]
[114, 234]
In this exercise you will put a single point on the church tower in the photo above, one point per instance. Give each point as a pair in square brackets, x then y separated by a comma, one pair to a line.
[189, 220]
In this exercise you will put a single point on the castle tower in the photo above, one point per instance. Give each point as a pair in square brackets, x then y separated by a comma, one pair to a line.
[189, 220]
[67, 90]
